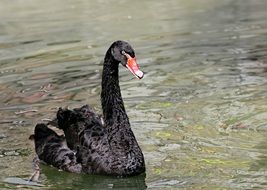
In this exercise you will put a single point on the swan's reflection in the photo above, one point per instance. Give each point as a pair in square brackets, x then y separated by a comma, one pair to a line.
[64, 180]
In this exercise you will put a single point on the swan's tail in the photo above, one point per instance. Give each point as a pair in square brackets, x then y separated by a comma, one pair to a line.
[52, 149]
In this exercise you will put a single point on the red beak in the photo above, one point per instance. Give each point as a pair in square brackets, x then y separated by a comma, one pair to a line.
[133, 67]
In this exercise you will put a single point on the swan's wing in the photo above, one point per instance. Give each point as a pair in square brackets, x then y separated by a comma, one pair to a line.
[73, 122]
[85, 108]
[94, 152]
[52, 149]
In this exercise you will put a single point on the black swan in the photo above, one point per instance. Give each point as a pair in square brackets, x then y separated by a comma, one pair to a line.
[91, 145]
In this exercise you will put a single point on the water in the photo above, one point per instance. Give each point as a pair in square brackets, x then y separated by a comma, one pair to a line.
[199, 114]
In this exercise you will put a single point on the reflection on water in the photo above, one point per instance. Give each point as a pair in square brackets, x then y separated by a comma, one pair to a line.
[199, 114]
[92, 182]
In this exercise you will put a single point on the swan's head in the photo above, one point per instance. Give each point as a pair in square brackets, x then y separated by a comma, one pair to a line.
[124, 53]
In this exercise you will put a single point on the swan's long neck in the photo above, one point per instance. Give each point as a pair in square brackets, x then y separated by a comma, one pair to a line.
[112, 103]
[120, 135]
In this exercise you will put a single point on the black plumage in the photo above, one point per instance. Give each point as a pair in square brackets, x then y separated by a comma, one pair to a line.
[93, 144]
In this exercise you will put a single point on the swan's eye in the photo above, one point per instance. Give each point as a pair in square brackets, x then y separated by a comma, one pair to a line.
[123, 53]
